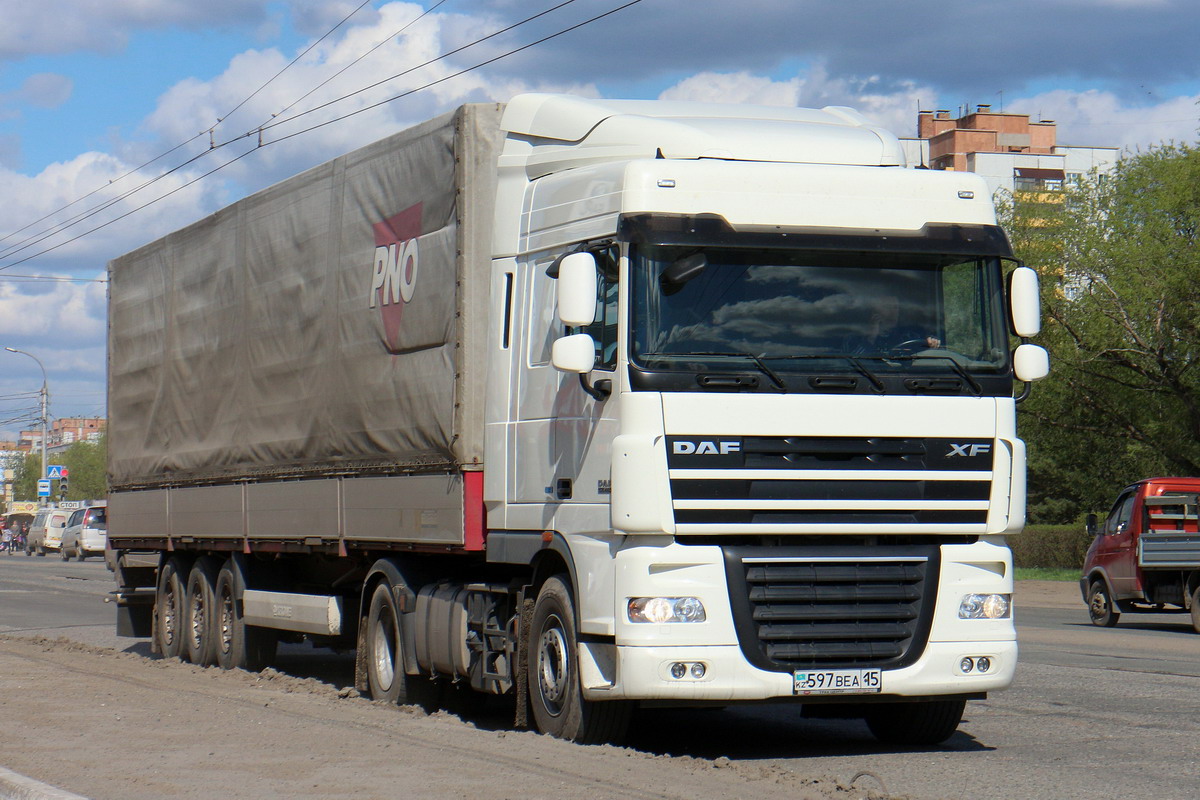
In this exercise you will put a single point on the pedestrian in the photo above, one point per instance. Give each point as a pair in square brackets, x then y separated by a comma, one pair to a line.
[6, 540]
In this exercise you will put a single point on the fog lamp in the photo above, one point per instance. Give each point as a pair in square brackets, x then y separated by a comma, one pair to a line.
[698, 670]
[678, 670]
[985, 606]
[665, 609]
[983, 663]
[967, 664]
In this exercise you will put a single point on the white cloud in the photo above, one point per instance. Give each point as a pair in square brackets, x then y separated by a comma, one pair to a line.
[895, 110]
[1100, 119]
[46, 90]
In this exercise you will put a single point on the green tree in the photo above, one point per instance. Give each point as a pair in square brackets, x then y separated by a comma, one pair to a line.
[1119, 258]
[85, 463]
[25, 476]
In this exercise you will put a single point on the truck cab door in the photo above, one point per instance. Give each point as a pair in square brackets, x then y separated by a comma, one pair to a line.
[1116, 551]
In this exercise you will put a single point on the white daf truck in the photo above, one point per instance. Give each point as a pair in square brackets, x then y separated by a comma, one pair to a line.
[594, 403]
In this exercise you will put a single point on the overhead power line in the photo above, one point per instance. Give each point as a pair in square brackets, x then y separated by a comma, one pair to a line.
[242, 137]
[162, 155]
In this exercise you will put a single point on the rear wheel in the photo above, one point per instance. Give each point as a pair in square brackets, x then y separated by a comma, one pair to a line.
[199, 623]
[386, 677]
[1100, 605]
[1196, 609]
[930, 722]
[555, 694]
[168, 610]
[80, 554]
[238, 645]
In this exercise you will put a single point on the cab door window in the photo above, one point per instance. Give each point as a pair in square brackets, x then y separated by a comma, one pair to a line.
[1118, 518]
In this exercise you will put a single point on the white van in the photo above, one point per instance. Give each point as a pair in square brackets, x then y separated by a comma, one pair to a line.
[46, 531]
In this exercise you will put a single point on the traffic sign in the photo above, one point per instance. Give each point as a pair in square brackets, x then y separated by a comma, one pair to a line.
[43, 487]
[54, 472]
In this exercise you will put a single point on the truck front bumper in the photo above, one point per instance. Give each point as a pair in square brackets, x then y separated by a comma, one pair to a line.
[644, 673]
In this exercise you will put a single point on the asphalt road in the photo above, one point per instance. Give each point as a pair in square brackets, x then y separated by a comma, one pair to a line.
[1095, 713]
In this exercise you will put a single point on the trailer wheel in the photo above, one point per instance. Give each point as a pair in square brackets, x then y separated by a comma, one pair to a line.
[1100, 605]
[926, 723]
[200, 617]
[168, 610]
[559, 708]
[238, 645]
[386, 677]
[1196, 609]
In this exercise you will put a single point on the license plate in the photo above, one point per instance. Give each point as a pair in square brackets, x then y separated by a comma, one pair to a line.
[837, 681]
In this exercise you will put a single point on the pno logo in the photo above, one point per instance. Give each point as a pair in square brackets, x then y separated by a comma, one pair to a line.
[394, 269]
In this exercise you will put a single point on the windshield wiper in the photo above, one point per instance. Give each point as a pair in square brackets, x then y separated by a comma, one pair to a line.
[854, 362]
[974, 386]
[758, 362]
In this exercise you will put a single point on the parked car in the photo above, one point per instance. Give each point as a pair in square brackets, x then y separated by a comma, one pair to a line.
[46, 531]
[1146, 556]
[86, 533]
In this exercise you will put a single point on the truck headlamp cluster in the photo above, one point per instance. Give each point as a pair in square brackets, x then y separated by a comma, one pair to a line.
[985, 606]
[665, 609]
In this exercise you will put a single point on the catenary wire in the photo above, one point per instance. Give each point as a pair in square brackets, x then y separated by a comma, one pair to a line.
[325, 123]
[63, 226]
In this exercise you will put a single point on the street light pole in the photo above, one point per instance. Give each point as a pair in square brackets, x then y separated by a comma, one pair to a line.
[45, 396]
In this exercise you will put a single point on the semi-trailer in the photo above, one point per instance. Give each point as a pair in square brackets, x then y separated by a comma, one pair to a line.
[595, 403]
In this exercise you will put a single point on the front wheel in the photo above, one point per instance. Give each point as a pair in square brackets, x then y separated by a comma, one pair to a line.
[559, 708]
[1100, 605]
[64, 555]
[925, 723]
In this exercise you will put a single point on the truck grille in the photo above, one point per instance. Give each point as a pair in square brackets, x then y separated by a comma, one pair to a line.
[825, 607]
[827, 484]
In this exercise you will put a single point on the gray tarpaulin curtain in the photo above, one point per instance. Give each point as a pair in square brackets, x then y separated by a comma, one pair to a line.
[246, 344]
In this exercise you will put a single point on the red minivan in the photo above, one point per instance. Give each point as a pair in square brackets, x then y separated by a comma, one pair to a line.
[1146, 556]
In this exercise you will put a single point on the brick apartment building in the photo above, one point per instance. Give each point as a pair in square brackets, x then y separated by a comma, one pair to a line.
[1010, 151]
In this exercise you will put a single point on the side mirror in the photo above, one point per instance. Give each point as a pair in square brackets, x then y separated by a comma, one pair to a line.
[577, 288]
[574, 353]
[1024, 302]
[1090, 524]
[1031, 362]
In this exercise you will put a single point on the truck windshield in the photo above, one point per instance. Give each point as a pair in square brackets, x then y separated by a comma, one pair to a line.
[879, 317]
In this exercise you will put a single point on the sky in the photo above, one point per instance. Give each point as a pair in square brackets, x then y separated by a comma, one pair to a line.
[123, 120]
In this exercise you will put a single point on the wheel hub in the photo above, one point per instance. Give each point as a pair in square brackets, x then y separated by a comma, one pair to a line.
[553, 664]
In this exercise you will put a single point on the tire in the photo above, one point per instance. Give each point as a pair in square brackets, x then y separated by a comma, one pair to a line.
[559, 708]
[199, 619]
[1100, 605]
[386, 677]
[41, 551]
[1196, 609]
[924, 723]
[169, 605]
[81, 554]
[63, 554]
[238, 645]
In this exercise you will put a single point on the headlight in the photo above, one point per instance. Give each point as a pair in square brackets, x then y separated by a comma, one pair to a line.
[665, 609]
[985, 606]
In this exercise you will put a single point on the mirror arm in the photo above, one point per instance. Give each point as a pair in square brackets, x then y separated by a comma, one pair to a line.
[1028, 387]
[599, 391]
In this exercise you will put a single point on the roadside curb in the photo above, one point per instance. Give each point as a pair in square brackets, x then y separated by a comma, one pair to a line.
[17, 787]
